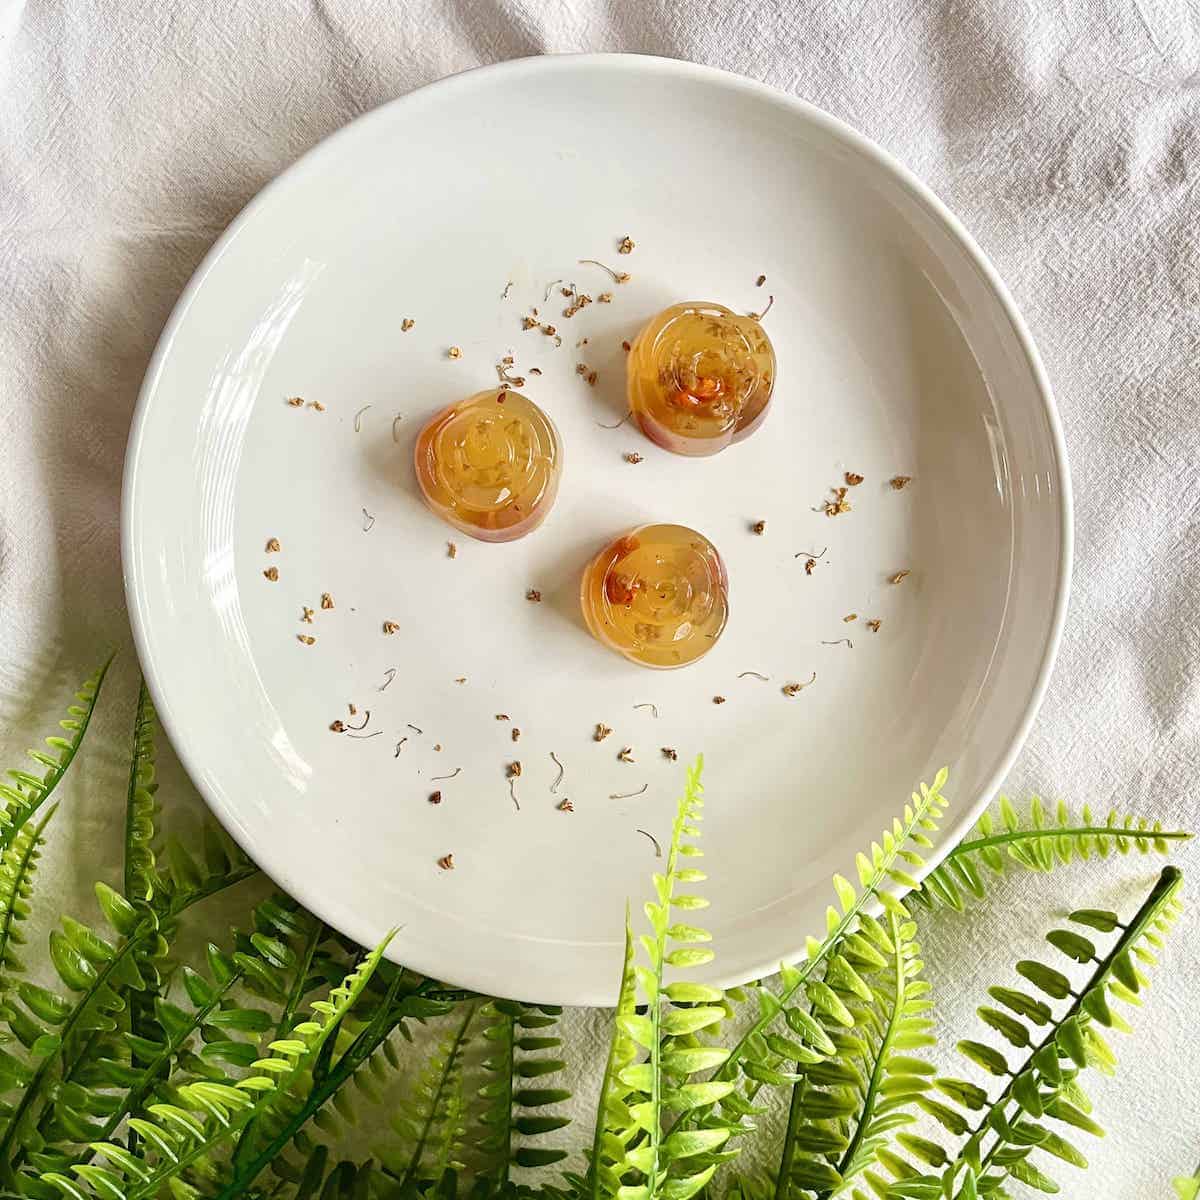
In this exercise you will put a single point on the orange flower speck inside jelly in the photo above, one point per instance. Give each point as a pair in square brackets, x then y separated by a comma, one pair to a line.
[490, 464]
[700, 377]
[659, 595]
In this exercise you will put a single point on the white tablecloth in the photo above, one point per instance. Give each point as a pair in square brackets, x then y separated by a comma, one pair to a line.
[1067, 137]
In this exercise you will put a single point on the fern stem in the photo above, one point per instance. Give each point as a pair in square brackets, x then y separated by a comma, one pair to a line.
[867, 1108]
[505, 1141]
[297, 993]
[783, 1183]
[964, 849]
[447, 1074]
[1168, 883]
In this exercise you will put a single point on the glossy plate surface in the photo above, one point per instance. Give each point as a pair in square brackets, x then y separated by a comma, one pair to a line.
[898, 351]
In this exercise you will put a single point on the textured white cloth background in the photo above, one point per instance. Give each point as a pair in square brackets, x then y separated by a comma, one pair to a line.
[1065, 135]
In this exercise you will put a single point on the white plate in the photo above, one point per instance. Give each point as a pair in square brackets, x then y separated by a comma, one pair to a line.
[899, 352]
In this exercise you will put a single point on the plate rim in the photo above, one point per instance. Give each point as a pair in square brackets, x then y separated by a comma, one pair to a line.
[358, 925]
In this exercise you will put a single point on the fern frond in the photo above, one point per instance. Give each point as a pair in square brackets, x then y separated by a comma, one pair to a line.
[140, 804]
[21, 798]
[54, 1029]
[521, 1058]
[178, 1137]
[999, 1142]
[17, 866]
[844, 1109]
[320, 1081]
[850, 943]
[430, 1121]
[638, 1154]
[615, 1126]
[1040, 842]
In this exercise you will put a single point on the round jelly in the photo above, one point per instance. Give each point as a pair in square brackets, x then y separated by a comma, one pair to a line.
[658, 594]
[490, 465]
[700, 377]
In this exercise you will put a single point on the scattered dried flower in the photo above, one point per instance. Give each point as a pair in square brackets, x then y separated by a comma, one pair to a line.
[390, 627]
[529, 323]
[604, 298]
[326, 600]
[759, 527]
[760, 281]
[850, 617]
[454, 352]
[874, 625]
[295, 401]
[625, 754]
[446, 862]
[792, 689]
[338, 726]
[632, 457]
[626, 346]
[671, 753]
[629, 795]
[516, 734]
[900, 482]
[461, 679]
[758, 316]
[271, 573]
[503, 717]
[565, 806]
[838, 505]
[654, 842]
[306, 614]
[533, 596]
[306, 638]
[272, 545]
[810, 566]
[317, 405]
[406, 324]
[451, 550]
[899, 576]
[617, 276]
[718, 699]
[435, 797]
[625, 245]
[602, 731]
[853, 478]
[514, 770]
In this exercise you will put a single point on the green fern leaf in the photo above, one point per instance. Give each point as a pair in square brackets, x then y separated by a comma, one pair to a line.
[21, 798]
[999, 1143]
[179, 1136]
[1036, 844]
[140, 805]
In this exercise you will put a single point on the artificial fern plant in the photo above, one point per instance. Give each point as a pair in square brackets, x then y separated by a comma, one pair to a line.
[283, 1062]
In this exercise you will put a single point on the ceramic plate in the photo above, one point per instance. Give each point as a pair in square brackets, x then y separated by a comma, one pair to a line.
[899, 353]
